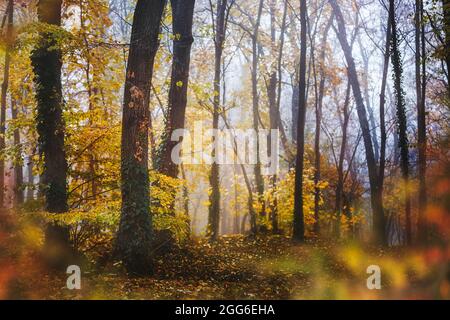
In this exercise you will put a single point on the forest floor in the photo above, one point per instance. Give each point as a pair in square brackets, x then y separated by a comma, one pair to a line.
[236, 267]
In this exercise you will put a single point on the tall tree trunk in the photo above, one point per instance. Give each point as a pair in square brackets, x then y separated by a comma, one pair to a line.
[47, 63]
[182, 13]
[4, 93]
[375, 194]
[135, 233]
[299, 224]
[319, 105]
[340, 169]
[421, 119]
[294, 81]
[383, 134]
[18, 161]
[259, 181]
[397, 66]
[274, 95]
[91, 102]
[283, 136]
[214, 197]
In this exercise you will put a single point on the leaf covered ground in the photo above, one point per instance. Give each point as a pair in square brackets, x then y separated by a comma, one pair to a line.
[235, 267]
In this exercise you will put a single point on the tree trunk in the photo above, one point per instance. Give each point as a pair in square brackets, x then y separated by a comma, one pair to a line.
[182, 13]
[446, 10]
[274, 95]
[319, 105]
[185, 197]
[397, 66]
[236, 204]
[9, 44]
[340, 169]
[375, 195]
[383, 134]
[91, 102]
[47, 63]
[18, 161]
[214, 197]
[135, 233]
[259, 181]
[294, 106]
[283, 136]
[421, 119]
[299, 224]
[30, 180]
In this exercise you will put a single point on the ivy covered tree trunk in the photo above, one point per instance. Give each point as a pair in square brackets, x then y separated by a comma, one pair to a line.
[397, 66]
[47, 62]
[182, 15]
[299, 224]
[375, 190]
[134, 238]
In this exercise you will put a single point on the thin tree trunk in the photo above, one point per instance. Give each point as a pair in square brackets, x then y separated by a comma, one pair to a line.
[133, 244]
[9, 44]
[446, 10]
[421, 119]
[236, 205]
[284, 138]
[383, 134]
[274, 95]
[319, 105]
[375, 195]
[259, 181]
[18, 161]
[299, 224]
[214, 197]
[90, 93]
[185, 196]
[30, 180]
[340, 168]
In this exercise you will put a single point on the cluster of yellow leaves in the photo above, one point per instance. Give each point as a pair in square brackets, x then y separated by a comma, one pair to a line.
[285, 198]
